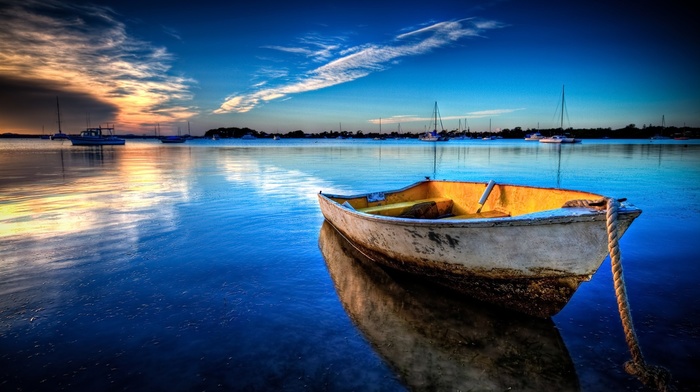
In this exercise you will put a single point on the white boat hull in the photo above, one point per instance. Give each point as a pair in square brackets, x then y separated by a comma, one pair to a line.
[559, 139]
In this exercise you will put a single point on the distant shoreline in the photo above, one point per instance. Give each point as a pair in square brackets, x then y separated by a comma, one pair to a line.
[629, 132]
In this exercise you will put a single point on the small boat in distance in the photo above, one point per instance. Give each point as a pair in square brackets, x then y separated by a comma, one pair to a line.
[660, 136]
[559, 139]
[96, 137]
[248, 136]
[434, 136]
[173, 139]
[522, 247]
[59, 135]
[563, 138]
[535, 136]
[178, 138]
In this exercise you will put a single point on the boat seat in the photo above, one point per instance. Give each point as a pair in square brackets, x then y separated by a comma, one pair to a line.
[443, 204]
[482, 215]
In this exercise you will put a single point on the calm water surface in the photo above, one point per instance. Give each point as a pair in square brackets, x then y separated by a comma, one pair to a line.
[206, 266]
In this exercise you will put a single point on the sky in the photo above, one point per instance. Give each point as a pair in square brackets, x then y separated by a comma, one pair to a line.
[183, 66]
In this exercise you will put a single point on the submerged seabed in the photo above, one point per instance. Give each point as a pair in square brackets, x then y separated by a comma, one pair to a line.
[205, 266]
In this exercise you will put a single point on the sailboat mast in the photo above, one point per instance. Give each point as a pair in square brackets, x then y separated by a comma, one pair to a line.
[58, 112]
[561, 124]
[435, 116]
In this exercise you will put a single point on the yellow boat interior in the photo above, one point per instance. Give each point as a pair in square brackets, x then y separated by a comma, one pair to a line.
[462, 200]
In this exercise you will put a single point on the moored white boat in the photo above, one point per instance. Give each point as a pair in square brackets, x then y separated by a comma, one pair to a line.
[517, 246]
[59, 135]
[434, 136]
[559, 139]
[564, 138]
[534, 136]
[96, 137]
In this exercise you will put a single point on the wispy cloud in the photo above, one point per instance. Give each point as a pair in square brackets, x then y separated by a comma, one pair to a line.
[493, 112]
[85, 49]
[313, 47]
[355, 62]
[470, 115]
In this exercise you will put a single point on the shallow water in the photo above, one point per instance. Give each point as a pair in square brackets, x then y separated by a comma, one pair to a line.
[200, 266]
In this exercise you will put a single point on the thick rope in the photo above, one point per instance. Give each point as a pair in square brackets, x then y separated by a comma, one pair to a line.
[597, 204]
[651, 376]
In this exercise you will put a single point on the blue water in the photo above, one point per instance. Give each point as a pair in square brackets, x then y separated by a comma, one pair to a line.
[198, 267]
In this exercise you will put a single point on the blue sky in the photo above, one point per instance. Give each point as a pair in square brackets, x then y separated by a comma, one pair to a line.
[317, 66]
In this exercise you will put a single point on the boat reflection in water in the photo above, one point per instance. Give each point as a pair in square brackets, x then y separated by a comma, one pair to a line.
[435, 339]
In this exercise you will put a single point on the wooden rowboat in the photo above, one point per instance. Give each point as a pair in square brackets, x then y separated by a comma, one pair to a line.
[524, 248]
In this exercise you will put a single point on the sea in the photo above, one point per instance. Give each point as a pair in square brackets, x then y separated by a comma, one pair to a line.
[207, 266]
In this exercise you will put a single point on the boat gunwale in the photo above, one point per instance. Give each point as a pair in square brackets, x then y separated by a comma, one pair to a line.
[548, 217]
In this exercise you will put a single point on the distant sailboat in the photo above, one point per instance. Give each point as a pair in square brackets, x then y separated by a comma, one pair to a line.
[434, 136]
[174, 139]
[489, 136]
[340, 131]
[59, 135]
[535, 136]
[560, 138]
[380, 137]
[661, 136]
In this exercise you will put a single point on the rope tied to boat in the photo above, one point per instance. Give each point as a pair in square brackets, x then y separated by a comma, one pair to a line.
[599, 204]
[649, 375]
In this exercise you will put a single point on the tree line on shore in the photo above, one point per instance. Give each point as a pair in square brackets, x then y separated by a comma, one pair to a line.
[629, 132]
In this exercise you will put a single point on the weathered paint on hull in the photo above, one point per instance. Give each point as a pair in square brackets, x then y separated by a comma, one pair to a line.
[536, 296]
[532, 263]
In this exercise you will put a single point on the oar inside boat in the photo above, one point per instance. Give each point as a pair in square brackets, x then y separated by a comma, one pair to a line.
[485, 195]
